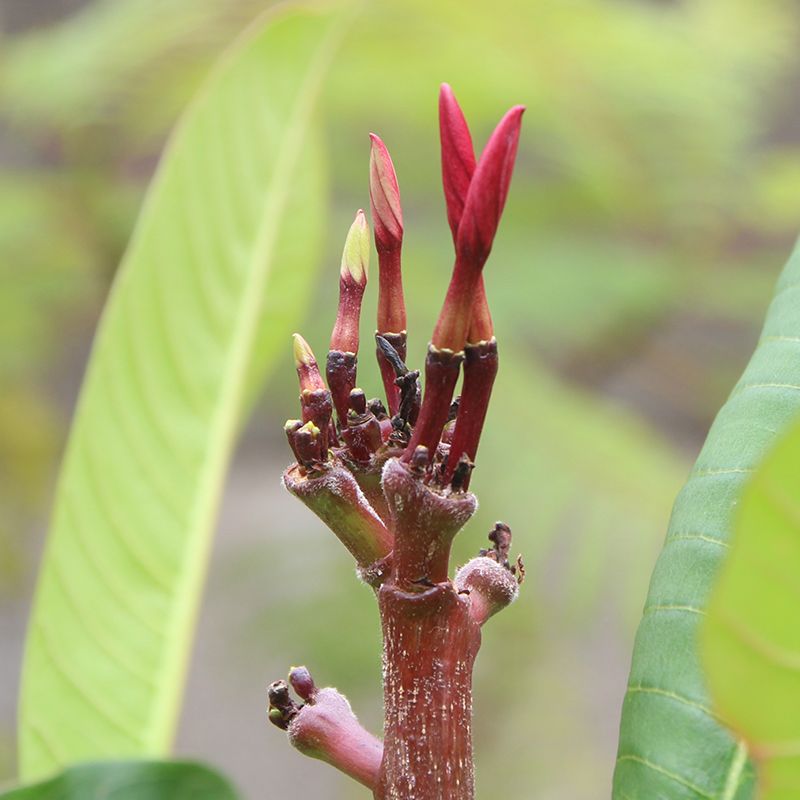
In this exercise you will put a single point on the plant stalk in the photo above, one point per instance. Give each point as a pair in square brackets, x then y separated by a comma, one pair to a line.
[429, 646]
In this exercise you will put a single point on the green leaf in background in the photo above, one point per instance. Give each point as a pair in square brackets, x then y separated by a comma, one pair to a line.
[750, 642]
[130, 780]
[671, 741]
[191, 324]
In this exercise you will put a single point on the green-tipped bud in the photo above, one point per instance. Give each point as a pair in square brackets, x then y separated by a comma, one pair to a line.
[352, 282]
[355, 256]
[306, 365]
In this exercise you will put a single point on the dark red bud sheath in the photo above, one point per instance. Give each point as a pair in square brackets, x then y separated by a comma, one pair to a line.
[458, 156]
[441, 375]
[341, 364]
[480, 370]
[482, 210]
[387, 220]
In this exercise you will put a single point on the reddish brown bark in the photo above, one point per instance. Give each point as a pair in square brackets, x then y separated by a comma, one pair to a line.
[430, 643]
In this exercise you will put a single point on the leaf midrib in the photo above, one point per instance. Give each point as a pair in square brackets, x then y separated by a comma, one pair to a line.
[225, 417]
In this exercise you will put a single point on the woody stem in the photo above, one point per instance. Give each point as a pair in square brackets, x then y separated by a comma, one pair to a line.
[429, 647]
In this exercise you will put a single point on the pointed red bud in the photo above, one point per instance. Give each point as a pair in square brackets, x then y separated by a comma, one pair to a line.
[482, 210]
[458, 156]
[387, 220]
[384, 195]
[488, 189]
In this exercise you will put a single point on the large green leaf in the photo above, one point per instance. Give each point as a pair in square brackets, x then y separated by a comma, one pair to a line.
[750, 641]
[215, 275]
[671, 742]
[130, 780]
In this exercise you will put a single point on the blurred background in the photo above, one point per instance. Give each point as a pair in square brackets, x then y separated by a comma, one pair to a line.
[656, 197]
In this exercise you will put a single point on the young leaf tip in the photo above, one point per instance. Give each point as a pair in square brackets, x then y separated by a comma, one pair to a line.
[355, 256]
[384, 195]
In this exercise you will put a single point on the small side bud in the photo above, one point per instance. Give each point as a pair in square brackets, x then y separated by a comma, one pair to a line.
[282, 709]
[290, 428]
[306, 365]
[363, 435]
[358, 401]
[302, 682]
[308, 446]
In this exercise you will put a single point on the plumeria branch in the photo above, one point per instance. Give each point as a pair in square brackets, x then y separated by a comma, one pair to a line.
[391, 481]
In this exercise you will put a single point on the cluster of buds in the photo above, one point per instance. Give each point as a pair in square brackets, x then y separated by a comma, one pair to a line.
[434, 434]
[391, 478]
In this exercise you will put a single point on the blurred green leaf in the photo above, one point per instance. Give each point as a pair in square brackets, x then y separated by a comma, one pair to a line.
[671, 742]
[97, 66]
[234, 215]
[130, 780]
[751, 638]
